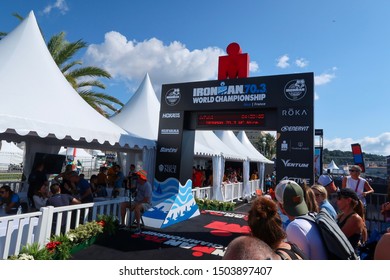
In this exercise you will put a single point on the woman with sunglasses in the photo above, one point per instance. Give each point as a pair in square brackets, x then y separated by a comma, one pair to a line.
[9, 199]
[351, 219]
[356, 183]
[321, 196]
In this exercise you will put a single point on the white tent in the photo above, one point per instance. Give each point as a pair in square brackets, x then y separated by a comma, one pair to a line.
[209, 139]
[41, 108]
[243, 138]
[79, 153]
[231, 140]
[141, 113]
[9, 154]
[221, 151]
[332, 166]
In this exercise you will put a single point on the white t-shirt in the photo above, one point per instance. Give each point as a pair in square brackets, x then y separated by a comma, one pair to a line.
[307, 237]
[357, 187]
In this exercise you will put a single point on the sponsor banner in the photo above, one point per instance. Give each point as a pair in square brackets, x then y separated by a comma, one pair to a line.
[168, 168]
[288, 163]
[282, 102]
[295, 113]
[168, 150]
[299, 180]
[358, 156]
[295, 128]
[171, 115]
[295, 89]
[318, 161]
[292, 146]
[256, 92]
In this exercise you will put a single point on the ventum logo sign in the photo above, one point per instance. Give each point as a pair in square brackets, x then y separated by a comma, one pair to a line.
[290, 164]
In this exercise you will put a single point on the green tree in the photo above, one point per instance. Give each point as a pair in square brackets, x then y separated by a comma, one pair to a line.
[267, 145]
[83, 79]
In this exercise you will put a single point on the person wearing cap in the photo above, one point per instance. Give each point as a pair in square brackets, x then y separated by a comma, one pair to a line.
[356, 183]
[327, 182]
[303, 233]
[266, 224]
[351, 219]
[141, 203]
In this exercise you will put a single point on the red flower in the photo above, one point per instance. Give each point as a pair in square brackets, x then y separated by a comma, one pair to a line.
[51, 246]
[102, 223]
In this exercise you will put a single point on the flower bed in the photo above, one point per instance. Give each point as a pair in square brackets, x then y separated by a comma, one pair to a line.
[61, 247]
[209, 204]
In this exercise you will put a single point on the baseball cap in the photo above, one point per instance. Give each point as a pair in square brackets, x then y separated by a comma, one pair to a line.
[325, 180]
[142, 174]
[290, 194]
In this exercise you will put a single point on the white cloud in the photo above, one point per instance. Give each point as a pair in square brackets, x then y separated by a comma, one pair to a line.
[253, 66]
[59, 4]
[324, 78]
[379, 145]
[128, 61]
[301, 62]
[282, 62]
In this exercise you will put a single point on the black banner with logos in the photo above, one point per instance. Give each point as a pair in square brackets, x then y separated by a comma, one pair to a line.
[283, 103]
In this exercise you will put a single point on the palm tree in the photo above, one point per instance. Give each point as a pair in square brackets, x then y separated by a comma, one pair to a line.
[83, 79]
[80, 77]
[267, 145]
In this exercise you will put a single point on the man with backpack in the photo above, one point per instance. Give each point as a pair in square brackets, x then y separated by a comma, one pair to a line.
[304, 233]
[316, 234]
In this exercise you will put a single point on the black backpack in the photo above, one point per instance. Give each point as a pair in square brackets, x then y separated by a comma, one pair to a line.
[336, 243]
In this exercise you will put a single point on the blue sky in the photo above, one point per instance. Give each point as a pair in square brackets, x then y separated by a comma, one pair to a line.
[346, 44]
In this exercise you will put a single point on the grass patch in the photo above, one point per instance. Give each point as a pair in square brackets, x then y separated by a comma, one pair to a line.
[10, 176]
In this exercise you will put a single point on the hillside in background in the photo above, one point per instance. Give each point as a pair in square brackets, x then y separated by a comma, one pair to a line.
[344, 158]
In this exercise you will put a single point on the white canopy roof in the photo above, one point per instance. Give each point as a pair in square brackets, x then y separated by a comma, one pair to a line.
[332, 165]
[141, 113]
[243, 138]
[80, 153]
[231, 141]
[37, 100]
[10, 154]
[11, 147]
[207, 138]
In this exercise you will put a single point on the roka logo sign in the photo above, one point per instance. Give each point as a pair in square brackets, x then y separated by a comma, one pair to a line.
[294, 112]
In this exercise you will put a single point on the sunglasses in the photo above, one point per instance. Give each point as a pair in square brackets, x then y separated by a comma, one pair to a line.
[1, 192]
[351, 170]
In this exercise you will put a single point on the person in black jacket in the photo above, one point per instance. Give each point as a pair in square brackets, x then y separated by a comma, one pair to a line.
[36, 179]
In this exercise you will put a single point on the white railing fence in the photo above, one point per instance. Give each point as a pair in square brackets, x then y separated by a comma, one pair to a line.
[16, 186]
[230, 191]
[17, 231]
[203, 193]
